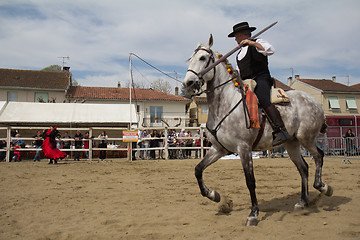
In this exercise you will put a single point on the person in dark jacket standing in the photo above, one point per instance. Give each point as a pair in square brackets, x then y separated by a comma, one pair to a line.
[349, 142]
[38, 144]
[252, 62]
[78, 144]
[103, 144]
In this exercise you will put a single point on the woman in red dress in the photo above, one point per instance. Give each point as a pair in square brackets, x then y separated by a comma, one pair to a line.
[49, 145]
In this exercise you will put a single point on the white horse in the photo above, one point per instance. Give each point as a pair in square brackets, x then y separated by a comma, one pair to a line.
[227, 131]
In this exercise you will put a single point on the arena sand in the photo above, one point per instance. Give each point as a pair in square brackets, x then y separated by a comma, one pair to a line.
[161, 200]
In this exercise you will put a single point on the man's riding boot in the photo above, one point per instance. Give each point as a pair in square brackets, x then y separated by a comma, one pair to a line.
[280, 134]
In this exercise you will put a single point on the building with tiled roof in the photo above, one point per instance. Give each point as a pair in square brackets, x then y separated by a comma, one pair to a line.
[154, 108]
[33, 86]
[336, 98]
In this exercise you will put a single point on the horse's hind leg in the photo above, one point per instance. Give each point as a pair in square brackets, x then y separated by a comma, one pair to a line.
[293, 148]
[318, 156]
[212, 156]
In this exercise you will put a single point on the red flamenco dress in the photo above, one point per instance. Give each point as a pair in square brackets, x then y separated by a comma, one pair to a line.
[49, 146]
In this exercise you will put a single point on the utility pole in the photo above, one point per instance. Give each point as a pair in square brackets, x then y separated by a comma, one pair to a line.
[292, 74]
[130, 87]
[348, 79]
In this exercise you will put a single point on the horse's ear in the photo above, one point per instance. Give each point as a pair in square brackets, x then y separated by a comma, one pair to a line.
[211, 41]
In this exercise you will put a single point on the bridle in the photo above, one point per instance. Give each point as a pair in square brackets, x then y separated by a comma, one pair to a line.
[202, 80]
[211, 59]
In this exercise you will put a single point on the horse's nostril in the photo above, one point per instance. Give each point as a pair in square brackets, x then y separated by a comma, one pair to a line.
[189, 83]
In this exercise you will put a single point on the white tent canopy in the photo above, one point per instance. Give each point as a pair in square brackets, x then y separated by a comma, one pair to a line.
[31, 113]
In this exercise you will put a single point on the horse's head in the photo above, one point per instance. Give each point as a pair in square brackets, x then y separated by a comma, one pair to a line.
[202, 57]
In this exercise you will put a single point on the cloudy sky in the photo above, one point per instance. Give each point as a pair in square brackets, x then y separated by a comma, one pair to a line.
[314, 39]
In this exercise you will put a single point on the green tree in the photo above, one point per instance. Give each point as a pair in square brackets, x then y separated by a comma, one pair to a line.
[55, 68]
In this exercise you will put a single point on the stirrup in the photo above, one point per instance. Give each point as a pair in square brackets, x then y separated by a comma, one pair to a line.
[279, 137]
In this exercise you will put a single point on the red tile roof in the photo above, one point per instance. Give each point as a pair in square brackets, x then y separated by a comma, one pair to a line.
[327, 85]
[111, 93]
[356, 87]
[34, 79]
[282, 85]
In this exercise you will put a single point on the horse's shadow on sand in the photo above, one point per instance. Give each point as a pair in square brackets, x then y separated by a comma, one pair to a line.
[318, 202]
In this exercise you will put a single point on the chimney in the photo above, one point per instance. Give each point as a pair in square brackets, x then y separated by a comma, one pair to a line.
[177, 91]
[119, 85]
[289, 81]
[66, 69]
[297, 76]
[333, 78]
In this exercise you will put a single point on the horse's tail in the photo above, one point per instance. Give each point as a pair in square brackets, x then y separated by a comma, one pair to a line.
[323, 128]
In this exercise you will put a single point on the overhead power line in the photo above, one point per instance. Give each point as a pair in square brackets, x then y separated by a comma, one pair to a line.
[155, 68]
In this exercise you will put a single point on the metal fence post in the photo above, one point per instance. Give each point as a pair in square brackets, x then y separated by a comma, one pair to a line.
[8, 148]
[166, 143]
[90, 143]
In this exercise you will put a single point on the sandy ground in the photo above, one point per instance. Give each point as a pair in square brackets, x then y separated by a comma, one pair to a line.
[160, 200]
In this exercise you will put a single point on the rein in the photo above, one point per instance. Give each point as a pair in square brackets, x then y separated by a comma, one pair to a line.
[207, 91]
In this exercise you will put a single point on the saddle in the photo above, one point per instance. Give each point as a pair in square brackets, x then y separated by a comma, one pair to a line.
[277, 96]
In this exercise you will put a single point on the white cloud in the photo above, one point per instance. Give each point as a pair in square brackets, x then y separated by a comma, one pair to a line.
[314, 36]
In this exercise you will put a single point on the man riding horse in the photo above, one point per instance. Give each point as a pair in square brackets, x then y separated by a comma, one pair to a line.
[252, 62]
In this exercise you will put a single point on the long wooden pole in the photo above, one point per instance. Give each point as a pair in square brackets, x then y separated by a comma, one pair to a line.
[211, 66]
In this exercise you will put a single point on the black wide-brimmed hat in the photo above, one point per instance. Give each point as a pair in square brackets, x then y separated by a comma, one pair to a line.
[241, 27]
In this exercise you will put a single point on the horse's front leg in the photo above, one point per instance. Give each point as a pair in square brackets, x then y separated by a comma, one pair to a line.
[246, 160]
[211, 156]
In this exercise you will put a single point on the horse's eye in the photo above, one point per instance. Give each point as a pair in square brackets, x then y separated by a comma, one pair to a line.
[202, 58]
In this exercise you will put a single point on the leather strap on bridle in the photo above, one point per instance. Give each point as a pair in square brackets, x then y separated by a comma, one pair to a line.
[211, 58]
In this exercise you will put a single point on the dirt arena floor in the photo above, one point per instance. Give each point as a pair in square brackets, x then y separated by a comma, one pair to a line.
[158, 199]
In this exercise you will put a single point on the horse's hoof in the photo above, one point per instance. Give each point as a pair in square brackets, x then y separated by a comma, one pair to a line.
[214, 196]
[251, 221]
[300, 206]
[327, 190]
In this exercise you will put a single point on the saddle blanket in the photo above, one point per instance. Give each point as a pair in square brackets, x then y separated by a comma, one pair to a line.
[252, 104]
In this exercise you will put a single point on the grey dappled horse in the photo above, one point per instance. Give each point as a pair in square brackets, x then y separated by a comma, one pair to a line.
[303, 118]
